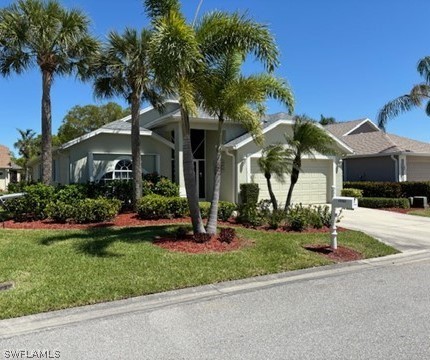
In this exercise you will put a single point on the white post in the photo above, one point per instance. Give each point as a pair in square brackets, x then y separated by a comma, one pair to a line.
[333, 191]
[333, 244]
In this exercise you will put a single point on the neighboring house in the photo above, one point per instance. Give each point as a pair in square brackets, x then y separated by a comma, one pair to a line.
[9, 171]
[379, 156]
[105, 154]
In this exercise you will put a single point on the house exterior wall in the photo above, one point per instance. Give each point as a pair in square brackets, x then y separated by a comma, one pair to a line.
[315, 181]
[3, 179]
[72, 166]
[418, 168]
[370, 169]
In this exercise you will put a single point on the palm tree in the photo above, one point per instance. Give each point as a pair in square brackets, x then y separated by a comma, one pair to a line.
[43, 33]
[180, 52]
[275, 160]
[225, 93]
[25, 146]
[307, 138]
[123, 69]
[418, 94]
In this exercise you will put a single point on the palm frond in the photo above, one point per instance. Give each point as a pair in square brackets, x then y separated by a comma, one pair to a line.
[394, 108]
[159, 8]
[218, 32]
[424, 68]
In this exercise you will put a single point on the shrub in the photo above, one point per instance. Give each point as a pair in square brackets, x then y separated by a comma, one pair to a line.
[181, 232]
[376, 189]
[153, 207]
[248, 212]
[202, 237]
[61, 211]
[276, 218]
[177, 206]
[377, 203]
[205, 207]
[32, 206]
[249, 194]
[225, 210]
[96, 210]
[324, 214]
[70, 194]
[415, 188]
[227, 235]
[357, 193]
[121, 190]
[165, 187]
[299, 217]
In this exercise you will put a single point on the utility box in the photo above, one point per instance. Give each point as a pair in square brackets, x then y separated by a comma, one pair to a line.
[344, 202]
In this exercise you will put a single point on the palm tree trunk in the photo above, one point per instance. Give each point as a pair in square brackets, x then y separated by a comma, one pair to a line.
[190, 177]
[213, 212]
[294, 178]
[46, 127]
[135, 150]
[271, 194]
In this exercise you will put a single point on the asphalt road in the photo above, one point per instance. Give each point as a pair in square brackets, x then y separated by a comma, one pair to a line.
[377, 309]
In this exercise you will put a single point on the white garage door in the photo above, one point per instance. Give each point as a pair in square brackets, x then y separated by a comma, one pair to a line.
[311, 187]
[418, 168]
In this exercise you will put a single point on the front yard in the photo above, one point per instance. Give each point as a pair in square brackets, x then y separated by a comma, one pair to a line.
[55, 269]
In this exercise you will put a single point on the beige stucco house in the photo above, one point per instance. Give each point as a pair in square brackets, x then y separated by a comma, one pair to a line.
[9, 171]
[379, 156]
[105, 154]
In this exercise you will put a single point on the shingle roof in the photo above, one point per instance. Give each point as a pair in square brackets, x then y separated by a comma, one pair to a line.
[376, 142]
[266, 121]
[4, 157]
[341, 128]
[120, 125]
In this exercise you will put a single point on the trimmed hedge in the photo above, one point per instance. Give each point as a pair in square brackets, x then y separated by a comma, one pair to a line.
[391, 189]
[357, 193]
[376, 189]
[377, 203]
[84, 211]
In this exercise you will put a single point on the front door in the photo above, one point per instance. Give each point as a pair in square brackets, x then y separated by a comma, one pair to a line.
[199, 171]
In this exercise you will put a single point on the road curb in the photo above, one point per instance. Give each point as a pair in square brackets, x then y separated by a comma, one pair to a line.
[59, 318]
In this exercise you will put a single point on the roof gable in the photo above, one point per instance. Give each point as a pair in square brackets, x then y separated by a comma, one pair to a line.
[352, 127]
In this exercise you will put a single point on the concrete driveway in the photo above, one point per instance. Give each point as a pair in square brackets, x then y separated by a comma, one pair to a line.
[404, 232]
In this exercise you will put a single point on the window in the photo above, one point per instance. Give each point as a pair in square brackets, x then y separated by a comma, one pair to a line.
[123, 171]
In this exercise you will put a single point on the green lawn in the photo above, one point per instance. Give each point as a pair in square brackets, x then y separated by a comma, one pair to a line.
[421, 212]
[60, 269]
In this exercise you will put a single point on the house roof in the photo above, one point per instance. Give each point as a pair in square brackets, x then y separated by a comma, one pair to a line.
[271, 121]
[375, 141]
[346, 127]
[4, 157]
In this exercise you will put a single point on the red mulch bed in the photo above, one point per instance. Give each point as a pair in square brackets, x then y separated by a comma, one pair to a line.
[341, 254]
[188, 244]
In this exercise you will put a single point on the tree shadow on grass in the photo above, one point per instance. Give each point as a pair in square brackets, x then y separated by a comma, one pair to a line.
[96, 241]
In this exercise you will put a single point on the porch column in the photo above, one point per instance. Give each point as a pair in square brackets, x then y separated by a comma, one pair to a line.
[90, 166]
[403, 168]
[179, 143]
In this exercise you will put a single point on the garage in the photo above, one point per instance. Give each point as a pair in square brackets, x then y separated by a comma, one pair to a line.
[418, 168]
[311, 188]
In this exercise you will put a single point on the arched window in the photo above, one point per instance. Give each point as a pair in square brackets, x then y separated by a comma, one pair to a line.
[123, 171]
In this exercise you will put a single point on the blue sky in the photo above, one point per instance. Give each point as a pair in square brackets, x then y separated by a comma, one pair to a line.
[342, 58]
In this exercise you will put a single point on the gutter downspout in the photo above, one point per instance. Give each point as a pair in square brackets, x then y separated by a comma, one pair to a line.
[233, 173]
[396, 167]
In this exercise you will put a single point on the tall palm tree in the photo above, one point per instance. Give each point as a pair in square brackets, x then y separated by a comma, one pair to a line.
[123, 69]
[44, 34]
[25, 146]
[307, 138]
[275, 160]
[179, 54]
[419, 93]
[225, 93]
